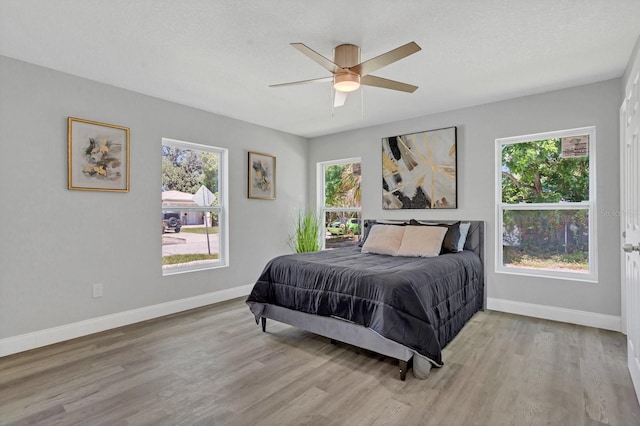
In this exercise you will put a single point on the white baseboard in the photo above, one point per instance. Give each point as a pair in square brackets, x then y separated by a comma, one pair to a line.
[48, 336]
[572, 316]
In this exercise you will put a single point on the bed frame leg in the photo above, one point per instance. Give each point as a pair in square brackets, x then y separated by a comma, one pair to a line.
[404, 366]
[264, 324]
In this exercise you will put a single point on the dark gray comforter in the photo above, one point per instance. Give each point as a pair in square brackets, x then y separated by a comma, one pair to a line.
[421, 303]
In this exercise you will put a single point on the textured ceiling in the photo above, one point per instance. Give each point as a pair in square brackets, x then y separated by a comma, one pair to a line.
[220, 56]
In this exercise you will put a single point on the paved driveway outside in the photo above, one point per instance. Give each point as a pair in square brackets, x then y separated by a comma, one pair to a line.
[188, 243]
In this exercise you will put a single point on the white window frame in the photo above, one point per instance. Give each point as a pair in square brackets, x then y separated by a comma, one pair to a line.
[221, 208]
[320, 190]
[590, 206]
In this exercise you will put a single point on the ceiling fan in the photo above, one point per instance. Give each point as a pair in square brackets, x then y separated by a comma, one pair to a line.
[349, 73]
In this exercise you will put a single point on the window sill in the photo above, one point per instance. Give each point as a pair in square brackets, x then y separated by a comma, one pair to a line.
[567, 276]
[186, 269]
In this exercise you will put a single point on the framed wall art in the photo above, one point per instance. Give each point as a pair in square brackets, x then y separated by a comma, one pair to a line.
[419, 170]
[98, 156]
[262, 176]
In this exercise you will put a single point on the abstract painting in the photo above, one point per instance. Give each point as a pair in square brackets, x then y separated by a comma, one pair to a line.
[98, 156]
[262, 176]
[419, 170]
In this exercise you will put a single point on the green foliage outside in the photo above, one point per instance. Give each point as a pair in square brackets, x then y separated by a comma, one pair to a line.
[307, 233]
[573, 262]
[185, 258]
[342, 189]
[332, 184]
[534, 172]
[187, 170]
[200, 230]
[210, 172]
[342, 185]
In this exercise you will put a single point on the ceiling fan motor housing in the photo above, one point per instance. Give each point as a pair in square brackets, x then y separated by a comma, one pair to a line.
[346, 55]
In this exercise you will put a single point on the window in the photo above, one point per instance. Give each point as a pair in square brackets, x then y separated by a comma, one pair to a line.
[194, 224]
[545, 193]
[339, 200]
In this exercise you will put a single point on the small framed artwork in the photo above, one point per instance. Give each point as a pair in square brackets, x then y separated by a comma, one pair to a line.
[419, 170]
[98, 156]
[262, 176]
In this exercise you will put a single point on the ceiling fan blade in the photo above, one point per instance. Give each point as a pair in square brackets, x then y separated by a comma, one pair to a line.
[371, 80]
[326, 63]
[385, 59]
[313, 80]
[339, 98]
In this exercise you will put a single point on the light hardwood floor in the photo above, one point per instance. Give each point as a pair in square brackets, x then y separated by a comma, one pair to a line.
[215, 366]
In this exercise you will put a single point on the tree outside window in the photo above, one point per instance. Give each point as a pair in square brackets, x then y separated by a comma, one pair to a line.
[192, 207]
[546, 203]
[341, 202]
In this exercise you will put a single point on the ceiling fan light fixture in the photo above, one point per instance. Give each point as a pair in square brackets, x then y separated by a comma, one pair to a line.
[346, 82]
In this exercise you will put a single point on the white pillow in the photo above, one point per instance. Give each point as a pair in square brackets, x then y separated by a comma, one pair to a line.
[464, 230]
[422, 241]
[384, 239]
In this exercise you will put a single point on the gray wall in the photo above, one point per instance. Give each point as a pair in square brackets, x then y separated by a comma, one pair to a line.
[478, 127]
[55, 243]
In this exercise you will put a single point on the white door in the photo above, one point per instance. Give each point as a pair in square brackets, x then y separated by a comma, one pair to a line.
[630, 221]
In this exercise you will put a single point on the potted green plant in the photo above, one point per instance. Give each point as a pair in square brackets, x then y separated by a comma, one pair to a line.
[307, 233]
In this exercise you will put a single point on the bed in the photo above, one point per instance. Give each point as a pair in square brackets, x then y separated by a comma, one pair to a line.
[407, 308]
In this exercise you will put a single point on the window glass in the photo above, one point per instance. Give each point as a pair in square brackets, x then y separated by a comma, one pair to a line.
[555, 240]
[545, 204]
[341, 203]
[538, 172]
[192, 207]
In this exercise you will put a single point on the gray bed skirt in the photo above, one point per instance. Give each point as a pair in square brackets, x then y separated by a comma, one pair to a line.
[345, 331]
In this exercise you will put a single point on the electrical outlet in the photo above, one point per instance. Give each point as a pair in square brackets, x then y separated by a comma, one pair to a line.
[97, 290]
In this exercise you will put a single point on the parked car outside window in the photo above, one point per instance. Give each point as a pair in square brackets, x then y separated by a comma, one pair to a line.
[344, 226]
[171, 220]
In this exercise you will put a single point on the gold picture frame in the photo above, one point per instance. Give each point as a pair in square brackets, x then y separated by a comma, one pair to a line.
[98, 156]
[262, 176]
